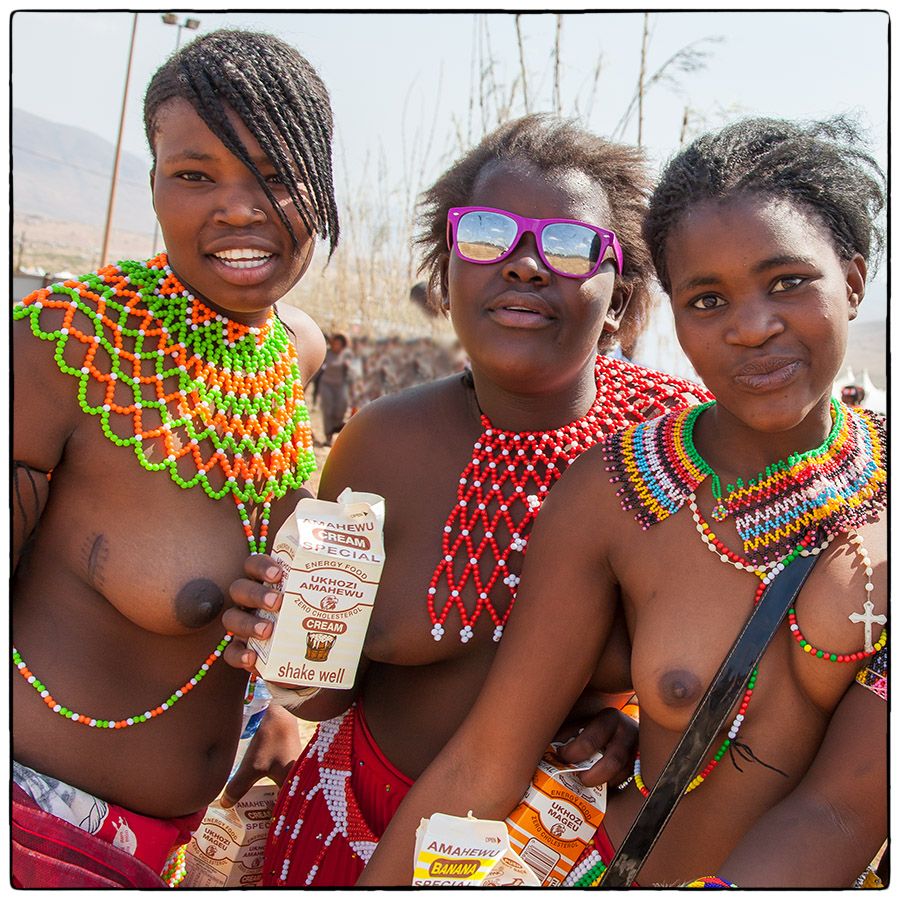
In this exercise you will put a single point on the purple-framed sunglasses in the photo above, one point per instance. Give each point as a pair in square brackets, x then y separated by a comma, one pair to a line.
[573, 249]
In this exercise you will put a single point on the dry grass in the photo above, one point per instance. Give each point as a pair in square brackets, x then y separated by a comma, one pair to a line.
[57, 246]
[364, 297]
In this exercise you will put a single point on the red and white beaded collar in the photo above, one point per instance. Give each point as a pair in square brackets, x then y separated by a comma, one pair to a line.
[501, 490]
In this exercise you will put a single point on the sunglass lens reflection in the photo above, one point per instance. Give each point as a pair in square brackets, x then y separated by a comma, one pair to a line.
[570, 249]
[484, 236]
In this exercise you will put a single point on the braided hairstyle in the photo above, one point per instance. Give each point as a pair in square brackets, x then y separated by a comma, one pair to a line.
[552, 144]
[278, 96]
[820, 166]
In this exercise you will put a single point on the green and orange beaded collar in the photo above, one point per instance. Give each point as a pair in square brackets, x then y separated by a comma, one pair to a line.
[224, 401]
[219, 403]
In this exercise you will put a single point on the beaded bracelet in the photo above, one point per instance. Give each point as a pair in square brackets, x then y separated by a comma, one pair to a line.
[589, 872]
[710, 881]
[175, 867]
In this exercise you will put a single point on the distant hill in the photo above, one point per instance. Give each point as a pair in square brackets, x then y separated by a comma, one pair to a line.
[62, 172]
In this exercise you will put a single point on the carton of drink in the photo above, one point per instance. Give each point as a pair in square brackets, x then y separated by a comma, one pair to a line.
[463, 851]
[510, 871]
[557, 818]
[332, 554]
[227, 849]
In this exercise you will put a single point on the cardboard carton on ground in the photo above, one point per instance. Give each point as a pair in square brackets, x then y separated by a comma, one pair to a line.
[227, 848]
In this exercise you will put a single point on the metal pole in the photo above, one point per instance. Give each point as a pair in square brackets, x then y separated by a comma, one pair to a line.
[118, 153]
[641, 77]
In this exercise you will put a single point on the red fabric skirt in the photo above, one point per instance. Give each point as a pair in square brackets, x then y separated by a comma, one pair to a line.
[333, 807]
[48, 852]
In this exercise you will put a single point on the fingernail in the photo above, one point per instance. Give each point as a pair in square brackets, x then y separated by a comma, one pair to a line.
[247, 658]
[226, 802]
[260, 628]
[273, 573]
[270, 600]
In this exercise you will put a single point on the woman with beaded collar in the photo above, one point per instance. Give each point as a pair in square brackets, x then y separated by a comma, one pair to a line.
[148, 391]
[761, 235]
[532, 240]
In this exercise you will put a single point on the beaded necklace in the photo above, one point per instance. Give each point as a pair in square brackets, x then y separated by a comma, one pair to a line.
[796, 507]
[219, 403]
[502, 488]
[794, 495]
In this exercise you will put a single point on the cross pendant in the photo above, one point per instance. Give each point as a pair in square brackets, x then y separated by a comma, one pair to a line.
[867, 619]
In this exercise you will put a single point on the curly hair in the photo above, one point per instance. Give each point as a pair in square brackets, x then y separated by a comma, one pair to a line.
[278, 96]
[820, 166]
[552, 144]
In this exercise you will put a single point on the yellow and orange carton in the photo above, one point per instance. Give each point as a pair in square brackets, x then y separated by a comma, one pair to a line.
[556, 819]
[462, 851]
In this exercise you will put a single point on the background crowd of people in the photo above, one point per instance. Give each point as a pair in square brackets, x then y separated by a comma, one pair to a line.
[367, 368]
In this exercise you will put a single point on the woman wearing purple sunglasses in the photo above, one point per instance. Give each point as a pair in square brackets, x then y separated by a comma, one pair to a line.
[533, 243]
[763, 235]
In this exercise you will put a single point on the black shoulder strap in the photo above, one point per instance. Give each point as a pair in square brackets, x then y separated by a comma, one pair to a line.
[706, 723]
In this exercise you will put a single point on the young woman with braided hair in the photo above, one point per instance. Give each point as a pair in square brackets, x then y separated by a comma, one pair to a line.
[762, 235]
[160, 433]
[533, 242]
[280, 100]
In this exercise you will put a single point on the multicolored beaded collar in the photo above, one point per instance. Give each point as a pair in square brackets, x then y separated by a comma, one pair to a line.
[831, 489]
[501, 490]
[796, 507]
[218, 403]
